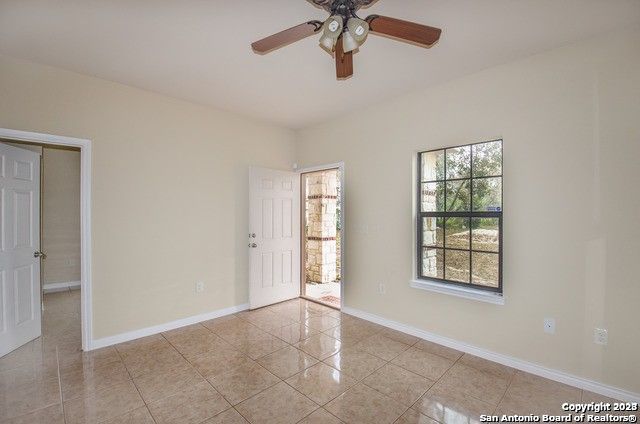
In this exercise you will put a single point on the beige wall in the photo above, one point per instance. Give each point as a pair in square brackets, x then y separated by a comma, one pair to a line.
[571, 129]
[60, 215]
[170, 192]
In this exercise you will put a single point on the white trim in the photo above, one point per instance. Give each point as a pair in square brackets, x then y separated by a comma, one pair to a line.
[510, 361]
[466, 293]
[85, 215]
[156, 329]
[414, 214]
[343, 214]
[317, 168]
[433, 286]
[57, 287]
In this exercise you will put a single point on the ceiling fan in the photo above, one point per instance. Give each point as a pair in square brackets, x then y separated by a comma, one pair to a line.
[344, 32]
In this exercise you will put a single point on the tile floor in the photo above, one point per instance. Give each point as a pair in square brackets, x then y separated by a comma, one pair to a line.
[295, 362]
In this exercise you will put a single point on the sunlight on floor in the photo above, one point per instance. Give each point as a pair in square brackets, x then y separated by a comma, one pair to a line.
[328, 293]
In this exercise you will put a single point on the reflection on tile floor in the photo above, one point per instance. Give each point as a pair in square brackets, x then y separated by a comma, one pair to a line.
[292, 362]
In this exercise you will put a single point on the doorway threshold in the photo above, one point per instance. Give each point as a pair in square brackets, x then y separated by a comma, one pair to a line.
[318, 301]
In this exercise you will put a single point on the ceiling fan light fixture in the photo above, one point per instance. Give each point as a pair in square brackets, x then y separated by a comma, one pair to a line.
[349, 43]
[358, 29]
[332, 29]
[327, 43]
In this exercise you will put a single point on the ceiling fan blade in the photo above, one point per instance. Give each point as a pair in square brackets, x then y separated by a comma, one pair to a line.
[344, 61]
[421, 35]
[286, 37]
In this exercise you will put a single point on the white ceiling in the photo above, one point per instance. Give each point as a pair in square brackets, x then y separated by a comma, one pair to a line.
[199, 50]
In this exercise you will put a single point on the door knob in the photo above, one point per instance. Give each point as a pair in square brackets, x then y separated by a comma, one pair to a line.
[39, 254]
[253, 245]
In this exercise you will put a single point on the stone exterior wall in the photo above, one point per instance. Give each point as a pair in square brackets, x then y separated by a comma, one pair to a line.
[321, 234]
[429, 257]
[429, 233]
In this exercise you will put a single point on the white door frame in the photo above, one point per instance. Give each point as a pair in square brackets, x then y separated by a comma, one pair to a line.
[85, 215]
[343, 236]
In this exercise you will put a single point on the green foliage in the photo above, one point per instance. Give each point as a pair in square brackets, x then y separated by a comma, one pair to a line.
[458, 162]
[487, 162]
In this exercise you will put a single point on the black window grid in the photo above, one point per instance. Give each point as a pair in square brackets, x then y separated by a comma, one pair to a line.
[460, 214]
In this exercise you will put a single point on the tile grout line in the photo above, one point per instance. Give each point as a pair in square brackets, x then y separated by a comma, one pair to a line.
[485, 373]
[434, 381]
[298, 391]
[64, 415]
[134, 385]
[209, 383]
[448, 369]
[470, 395]
[251, 359]
[190, 364]
[361, 381]
[280, 380]
[389, 362]
[513, 375]
[317, 409]
[204, 378]
[240, 413]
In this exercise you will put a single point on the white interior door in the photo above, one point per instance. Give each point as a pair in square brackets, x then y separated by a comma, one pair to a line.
[20, 307]
[274, 236]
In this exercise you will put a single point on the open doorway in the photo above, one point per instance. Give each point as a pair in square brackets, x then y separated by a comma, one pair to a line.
[322, 238]
[54, 240]
[59, 241]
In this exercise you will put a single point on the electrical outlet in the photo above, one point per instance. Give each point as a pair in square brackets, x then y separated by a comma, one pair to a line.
[600, 336]
[550, 325]
[382, 289]
[199, 287]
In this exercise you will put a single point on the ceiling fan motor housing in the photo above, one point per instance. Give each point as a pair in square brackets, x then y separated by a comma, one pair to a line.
[346, 8]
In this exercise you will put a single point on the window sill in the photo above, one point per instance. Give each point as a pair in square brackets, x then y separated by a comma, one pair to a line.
[466, 293]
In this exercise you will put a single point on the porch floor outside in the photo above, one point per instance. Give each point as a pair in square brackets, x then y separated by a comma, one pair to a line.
[328, 293]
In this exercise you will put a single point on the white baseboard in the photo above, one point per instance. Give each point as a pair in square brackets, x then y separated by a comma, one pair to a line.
[57, 287]
[136, 334]
[510, 361]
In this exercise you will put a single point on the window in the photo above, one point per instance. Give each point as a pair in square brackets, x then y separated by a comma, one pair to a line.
[460, 216]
